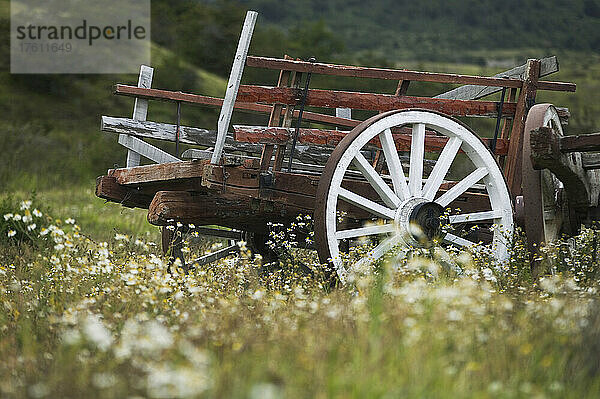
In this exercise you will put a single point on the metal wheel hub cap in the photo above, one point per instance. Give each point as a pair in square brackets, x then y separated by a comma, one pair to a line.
[418, 221]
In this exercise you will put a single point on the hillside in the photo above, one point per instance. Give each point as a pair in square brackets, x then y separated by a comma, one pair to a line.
[445, 30]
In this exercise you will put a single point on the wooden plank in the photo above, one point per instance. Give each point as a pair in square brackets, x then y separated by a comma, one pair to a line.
[548, 66]
[107, 188]
[512, 168]
[584, 142]
[395, 74]
[140, 109]
[235, 77]
[371, 101]
[330, 138]
[146, 150]
[214, 256]
[590, 161]
[167, 95]
[158, 173]
[165, 131]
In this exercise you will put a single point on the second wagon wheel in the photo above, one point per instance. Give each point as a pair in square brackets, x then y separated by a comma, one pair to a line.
[408, 209]
[544, 209]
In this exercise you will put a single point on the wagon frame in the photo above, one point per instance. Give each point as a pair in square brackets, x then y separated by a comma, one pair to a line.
[297, 172]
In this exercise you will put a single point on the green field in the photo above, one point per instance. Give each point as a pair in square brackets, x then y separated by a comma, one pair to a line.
[88, 310]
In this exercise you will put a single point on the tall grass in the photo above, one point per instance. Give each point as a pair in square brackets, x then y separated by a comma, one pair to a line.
[82, 317]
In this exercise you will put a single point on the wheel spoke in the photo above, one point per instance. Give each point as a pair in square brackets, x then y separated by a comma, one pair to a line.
[365, 231]
[475, 217]
[366, 204]
[417, 153]
[394, 166]
[452, 239]
[377, 252]
[384, 191]
[441, 168]
[462, 186]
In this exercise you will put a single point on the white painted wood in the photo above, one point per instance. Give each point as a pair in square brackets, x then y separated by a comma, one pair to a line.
[460, 137]
[140, 109]
[417, 154]
[462, 186]
[366, 231]
[366, 204]
[343, 113]
[475, 216]
[441, 168]
[394, 166]
[233, 84]
[381, 187]
[376, 253]
[453, 239]
[146, 150]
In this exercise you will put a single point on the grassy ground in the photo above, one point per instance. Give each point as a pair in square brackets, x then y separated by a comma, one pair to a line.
[81, 317]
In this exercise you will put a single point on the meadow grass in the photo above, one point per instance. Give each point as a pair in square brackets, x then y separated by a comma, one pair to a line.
[95, 314]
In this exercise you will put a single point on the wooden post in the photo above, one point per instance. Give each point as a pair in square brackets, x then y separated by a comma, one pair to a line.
[274, 120]
[526, 99]
[233, 84]
[140, 111]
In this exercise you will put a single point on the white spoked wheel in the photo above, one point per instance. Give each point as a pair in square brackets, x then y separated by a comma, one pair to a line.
[395, 204]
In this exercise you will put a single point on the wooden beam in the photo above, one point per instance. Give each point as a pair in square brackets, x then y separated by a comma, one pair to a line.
[330, 138]
[146, 150]
[584, 142]
[546, 154]
[512, 167]
[395, 74]
[548, 66]
[158, 173]
[107, 188]
[371, 101]
[140, 109]
[235, 78]
[167, 95]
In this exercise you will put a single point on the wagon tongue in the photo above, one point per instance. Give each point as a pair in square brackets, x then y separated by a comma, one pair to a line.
[426, 222]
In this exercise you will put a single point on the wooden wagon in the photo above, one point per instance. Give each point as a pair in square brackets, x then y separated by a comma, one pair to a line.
[411, 176]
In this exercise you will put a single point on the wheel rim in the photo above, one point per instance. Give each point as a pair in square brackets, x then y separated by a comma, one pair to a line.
[398, 201]
[543, 215]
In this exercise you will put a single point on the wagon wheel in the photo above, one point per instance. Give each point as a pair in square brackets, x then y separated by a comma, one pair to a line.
[410, 211]
[544, 209]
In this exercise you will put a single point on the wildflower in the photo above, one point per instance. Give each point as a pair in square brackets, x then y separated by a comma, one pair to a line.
[70, 221]
[17, 217]
[59, 247]
[31, 227]
[25, 205]
[37, 213]
[44, 231]
[119, 237]
[8, 216]
[96, 332]
[27, 218]
[11, 233]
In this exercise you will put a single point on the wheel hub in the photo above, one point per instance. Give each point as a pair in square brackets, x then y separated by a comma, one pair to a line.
[419, 221]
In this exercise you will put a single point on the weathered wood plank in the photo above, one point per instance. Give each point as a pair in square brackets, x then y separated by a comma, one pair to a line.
[590, 161]
[513, 165]
[584, 142]
[395, 74]
[165, 131]
[233, 84]
[107, 188]
[167, 95]
[330, 138]
[140, 109]
[146, 150]
[548, 66]
[159, 173]
[371, 101]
